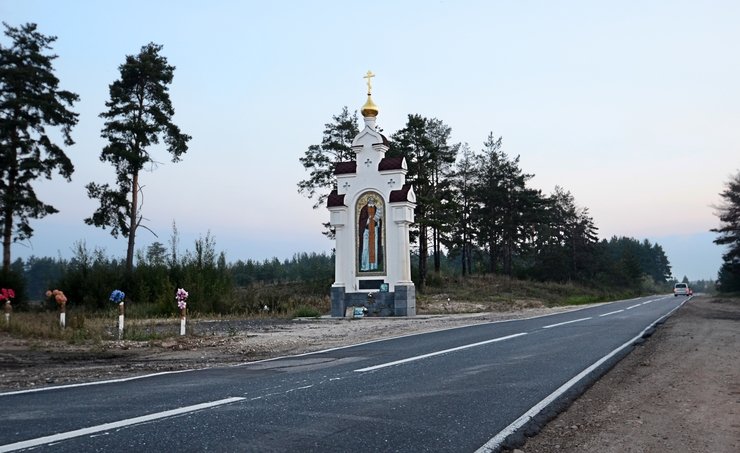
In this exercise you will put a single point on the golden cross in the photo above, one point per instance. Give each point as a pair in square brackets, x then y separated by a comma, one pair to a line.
[369, 77]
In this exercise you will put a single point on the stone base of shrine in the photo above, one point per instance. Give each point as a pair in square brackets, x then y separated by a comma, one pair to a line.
[401, 302]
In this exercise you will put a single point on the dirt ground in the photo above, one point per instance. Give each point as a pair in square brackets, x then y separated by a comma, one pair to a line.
[679, 391]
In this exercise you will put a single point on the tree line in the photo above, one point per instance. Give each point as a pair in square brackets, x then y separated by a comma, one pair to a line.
[477, 207]
[214, 285]
[34, 110]
[728, 279]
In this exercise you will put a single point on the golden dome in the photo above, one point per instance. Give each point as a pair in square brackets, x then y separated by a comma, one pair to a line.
[369, 109]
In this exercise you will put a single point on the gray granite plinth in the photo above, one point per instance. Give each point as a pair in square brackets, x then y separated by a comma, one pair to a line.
[337, 301]
[405, 300]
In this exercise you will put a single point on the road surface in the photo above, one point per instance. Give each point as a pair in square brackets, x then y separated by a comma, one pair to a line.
[461, 389]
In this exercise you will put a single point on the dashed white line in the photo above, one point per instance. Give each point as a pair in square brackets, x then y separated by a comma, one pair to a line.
[566, 322]
[611, 313]
[113, 425]
[633, 306]
[432, 354]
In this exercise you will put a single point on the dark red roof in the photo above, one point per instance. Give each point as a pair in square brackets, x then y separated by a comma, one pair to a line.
[390, 163]
[334, 199]
[401, 194]
[343, 168]
[385, 141]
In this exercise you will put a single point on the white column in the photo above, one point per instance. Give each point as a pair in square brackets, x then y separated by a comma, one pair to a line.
[338, 221]
[403, 216]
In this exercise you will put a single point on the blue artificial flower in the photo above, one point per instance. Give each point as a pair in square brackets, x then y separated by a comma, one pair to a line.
[117, 296]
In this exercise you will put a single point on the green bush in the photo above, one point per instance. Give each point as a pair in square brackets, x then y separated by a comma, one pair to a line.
[304, 311]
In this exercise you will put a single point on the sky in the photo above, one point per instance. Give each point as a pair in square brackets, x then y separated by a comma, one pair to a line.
[632, 106]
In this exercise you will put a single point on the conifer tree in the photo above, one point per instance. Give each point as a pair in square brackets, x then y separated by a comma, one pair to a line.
[729, 236]
[319, 160]
[441, 212]
[30, 101]
[462, 184]
[413, 143]
[139, 115]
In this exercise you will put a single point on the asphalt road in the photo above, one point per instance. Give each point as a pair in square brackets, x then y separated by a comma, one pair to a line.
[461, 390]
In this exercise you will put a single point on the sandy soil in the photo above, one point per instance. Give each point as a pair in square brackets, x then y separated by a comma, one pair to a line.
[679, 391]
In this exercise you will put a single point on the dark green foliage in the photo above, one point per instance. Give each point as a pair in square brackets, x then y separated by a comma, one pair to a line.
[424, 143]
[30, 102]
[302, 267]
[139, 115]
[303, 311]
[507, 211]
[564, 248]
[319, 160]
[462, 201]
[728, 279]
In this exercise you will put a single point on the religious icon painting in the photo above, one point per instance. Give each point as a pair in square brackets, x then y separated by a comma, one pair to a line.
[370, 221]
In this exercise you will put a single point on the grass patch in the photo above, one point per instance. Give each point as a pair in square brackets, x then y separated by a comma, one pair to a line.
[304, 311]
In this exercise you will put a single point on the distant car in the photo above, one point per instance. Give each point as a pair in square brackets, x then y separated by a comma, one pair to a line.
[681, 289]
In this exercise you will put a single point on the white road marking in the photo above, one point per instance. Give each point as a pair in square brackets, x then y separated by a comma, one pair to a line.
[633, 306]
[495, 443]
[432, 354]
[611, 313]
[566, 322]
[113, 425]
[85, 384]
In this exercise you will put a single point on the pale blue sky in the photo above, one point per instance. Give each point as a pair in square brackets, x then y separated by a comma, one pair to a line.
[630, 105]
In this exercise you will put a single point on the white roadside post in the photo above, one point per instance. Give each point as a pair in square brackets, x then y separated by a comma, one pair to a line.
[7, 294]
[182, 296]
[183, 315]
[61, 300]
[118, 297]
[120, 320]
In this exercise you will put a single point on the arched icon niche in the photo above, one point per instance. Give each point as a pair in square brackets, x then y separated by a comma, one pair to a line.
[370, 220]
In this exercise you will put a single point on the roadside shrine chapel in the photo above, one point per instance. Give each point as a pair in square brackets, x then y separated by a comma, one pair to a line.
[371, 210]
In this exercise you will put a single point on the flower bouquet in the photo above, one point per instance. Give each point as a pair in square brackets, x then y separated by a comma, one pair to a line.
[117, 297]
[6, 294]
[61, 300]
[182, 296]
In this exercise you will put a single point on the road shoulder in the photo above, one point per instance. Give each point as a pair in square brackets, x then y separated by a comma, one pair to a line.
[678, 391]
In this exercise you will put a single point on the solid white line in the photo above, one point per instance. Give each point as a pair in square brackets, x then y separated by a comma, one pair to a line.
[113, 425]
[633, 306]
[85, 384]
[496, 441]
[611, 313]
[432, 354]
[566, 322]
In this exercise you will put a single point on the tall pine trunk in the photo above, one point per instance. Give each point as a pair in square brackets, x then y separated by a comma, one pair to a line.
[437, 252]
[8, 202]
[423, 253]
[133, 223]
[464, 252]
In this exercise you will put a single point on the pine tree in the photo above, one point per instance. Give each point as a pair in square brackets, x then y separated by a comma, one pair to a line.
[729, 236]
[30, 101]
[139, 115]
[413, 143]
[507, 211]
[441, 212]
[462, 185]
[489, 196]
[319, 160]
